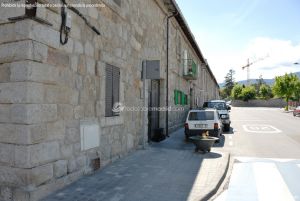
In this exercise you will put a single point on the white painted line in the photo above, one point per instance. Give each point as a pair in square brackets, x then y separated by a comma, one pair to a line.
[260, 128]
[230, 137]
[250, 120]
[270, 184]
[230, 143]
[244, 159]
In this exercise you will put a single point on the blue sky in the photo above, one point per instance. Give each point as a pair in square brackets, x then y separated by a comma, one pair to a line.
[231, 31]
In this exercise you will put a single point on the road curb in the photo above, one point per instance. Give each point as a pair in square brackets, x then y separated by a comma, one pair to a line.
[212, 192]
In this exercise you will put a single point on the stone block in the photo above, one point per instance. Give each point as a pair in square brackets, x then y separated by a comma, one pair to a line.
[78, 47]
[68, 48]
[55, 130]
[40, 174]
[11, 176]
[5, 113]
[58, 58]
[88, 49]
[66, 150]
[23, 50]
[22, 134]
[76, 34]
[72, 136]
[79, 112]
[6, 154]
[8, 12]
[61, 95]
[74, 63]
[6, 193]
[65, 111]
[21, 92]
[4, 73]
[76, 163]
[33, 71]
[60, 168]
[33, 113]
[90, 66]
[93, 12]
[38, 154]
[82, 65]
[67, 77]
[72, 167]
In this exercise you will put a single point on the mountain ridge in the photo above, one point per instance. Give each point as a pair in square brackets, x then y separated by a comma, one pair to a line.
[253, 81]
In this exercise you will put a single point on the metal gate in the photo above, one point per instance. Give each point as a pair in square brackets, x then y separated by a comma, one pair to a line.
[153, 112]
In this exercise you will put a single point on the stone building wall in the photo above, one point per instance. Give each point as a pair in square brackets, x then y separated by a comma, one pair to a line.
[48, 92]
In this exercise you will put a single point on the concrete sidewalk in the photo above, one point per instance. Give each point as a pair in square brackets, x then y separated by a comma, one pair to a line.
[169, 170]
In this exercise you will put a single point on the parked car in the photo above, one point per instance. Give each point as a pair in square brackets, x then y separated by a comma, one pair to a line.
[228, 103]
[223, 110]
[296, 111]
[202, 120]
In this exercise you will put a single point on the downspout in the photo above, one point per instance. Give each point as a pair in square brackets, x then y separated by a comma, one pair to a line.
[167, 76]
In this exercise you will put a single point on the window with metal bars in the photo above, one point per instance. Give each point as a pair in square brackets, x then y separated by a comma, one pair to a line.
[112, 89]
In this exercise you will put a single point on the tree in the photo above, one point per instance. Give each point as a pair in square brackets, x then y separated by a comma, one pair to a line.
[229, 82]
[259, 83]
[297, 91]
[248, 93]
[236, 91]
[265, 91]
[223, 95]
[285, 86]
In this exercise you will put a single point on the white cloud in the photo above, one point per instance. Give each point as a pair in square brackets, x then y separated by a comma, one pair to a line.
[282, 55]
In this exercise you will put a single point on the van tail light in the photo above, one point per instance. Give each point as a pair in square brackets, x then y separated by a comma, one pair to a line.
[186, 126]
[216, 126]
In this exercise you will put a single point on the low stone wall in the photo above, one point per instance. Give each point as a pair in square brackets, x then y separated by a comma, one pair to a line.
[259, 103]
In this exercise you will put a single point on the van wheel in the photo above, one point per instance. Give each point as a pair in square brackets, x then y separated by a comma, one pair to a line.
[227, 127]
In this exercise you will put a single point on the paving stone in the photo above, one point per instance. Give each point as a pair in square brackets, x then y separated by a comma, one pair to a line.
[164, 171]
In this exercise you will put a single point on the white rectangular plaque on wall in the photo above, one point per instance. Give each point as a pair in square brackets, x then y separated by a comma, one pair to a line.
[90, 135]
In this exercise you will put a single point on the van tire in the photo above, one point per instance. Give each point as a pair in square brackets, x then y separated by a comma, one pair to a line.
[227, 127]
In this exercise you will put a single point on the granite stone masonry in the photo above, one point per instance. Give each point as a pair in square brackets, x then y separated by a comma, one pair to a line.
[54, 98]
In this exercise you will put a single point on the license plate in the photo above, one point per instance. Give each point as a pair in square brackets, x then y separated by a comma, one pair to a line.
[200, 125]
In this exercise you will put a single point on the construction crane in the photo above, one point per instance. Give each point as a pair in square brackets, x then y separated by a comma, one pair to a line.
[248, 67]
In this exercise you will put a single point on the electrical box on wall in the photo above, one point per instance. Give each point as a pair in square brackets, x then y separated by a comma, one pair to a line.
[89, 135]
[152, 69]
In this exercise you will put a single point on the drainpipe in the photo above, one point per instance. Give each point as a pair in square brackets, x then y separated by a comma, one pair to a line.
[167, 76]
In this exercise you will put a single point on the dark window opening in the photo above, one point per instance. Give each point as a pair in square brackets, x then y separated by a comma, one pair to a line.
[201, 116]
[112, 89]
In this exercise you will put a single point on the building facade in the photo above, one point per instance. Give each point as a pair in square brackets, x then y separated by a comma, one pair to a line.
[56, 101]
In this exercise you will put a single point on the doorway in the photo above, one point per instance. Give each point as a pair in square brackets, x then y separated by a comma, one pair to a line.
[153, 112]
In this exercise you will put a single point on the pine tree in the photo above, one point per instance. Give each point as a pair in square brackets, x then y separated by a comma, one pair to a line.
[229, 82]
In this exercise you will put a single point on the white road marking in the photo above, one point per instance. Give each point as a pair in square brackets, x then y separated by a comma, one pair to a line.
[262, 179]
[230, 143]
[230, 137]
[269, 183]
[250, 120]
[260, 128]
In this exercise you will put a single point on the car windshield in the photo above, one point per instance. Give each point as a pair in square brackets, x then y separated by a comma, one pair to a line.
[201, 116]
[217, 105]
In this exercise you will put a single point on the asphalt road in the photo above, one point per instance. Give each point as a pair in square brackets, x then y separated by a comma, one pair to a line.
[265, 145]
[263, 133]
